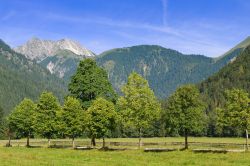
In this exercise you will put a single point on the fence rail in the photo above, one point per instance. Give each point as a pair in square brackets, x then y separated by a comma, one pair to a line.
[67, 143]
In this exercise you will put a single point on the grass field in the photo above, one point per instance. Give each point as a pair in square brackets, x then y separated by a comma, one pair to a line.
[52, 156]
[47, 156]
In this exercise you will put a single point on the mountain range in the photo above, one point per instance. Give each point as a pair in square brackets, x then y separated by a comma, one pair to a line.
[165, 69]
[52, 63]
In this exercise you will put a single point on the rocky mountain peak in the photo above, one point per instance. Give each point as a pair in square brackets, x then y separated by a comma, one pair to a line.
[38, 49]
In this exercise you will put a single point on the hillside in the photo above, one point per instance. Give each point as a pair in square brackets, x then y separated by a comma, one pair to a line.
[21, 78]
[234, 75]
[63, 64]
[165, 69]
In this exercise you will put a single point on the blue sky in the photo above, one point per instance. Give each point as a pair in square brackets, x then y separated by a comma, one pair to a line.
[208, 27]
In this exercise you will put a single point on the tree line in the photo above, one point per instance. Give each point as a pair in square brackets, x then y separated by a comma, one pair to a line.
[94, 110]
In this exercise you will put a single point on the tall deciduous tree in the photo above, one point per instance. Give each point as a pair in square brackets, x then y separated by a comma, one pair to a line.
[139, 106]
[90, 82]
[22, 119]
[72, 119]
[46, 116]
[237, 111]
[102, 118]
[185, 111]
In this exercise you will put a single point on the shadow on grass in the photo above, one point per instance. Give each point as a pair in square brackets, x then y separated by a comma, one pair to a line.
[217, 151]
[114, 149]
[60, 146]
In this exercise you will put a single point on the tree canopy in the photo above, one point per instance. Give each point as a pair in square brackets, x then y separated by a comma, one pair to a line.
[185, 111]
[72, 118]
[102, 118]
[46, 117]
[22, 118]
[90, 82]
[236, 113]
[138, 106]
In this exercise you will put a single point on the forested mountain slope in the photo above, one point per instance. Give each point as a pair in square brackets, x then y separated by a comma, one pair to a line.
[234, 75]
[165, 69]
[63, 64]
[20, 77]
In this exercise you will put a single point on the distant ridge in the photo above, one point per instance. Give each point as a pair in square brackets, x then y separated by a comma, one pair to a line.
[241, 46]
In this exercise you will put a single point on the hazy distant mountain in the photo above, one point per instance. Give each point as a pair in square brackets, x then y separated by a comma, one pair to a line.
[37, 49]
[20, 77]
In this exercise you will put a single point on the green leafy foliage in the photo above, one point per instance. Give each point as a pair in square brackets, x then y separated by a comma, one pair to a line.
[236, 113]
[47, 115]
[101, 118]
[237, 104]
[72, 118]
[235, 116]
[185, 111]
[21, 120]
[90, 82]
[138, 106]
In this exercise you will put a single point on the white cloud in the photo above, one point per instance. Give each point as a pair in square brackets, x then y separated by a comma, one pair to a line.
[8, 15]
[190, 36]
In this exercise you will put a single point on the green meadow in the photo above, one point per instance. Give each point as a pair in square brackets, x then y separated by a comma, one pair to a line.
[49, 156]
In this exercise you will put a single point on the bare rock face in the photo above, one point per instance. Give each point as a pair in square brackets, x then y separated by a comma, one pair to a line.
[37, 49]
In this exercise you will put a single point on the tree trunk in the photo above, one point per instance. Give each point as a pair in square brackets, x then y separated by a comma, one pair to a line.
[73, 142]
[140, 138]
[246, 140]
[9, 143]
[186, 139]
[103, 142]
[28, 141]
[93, 141]
[49, 142]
